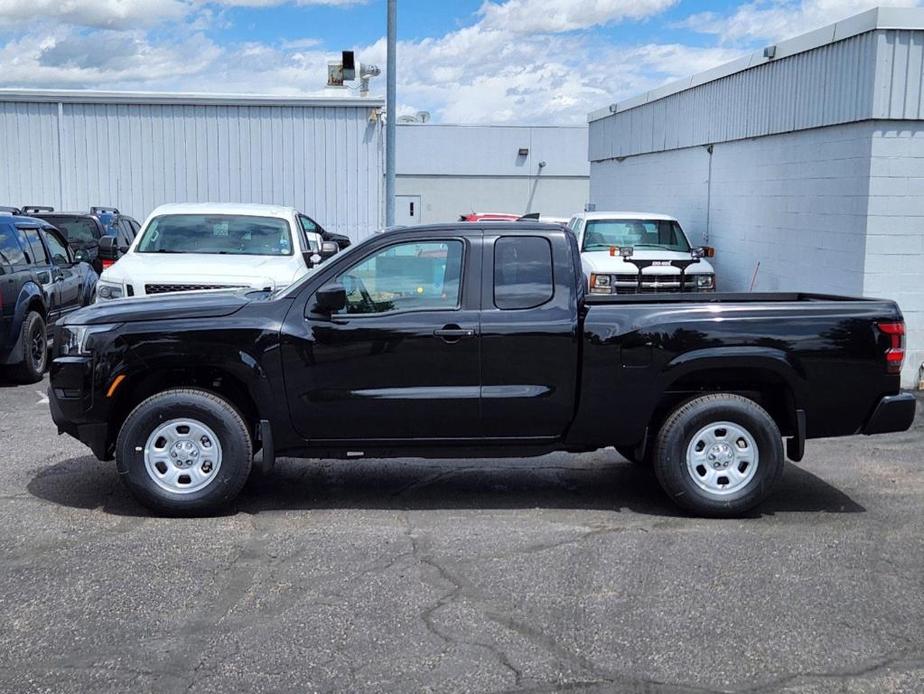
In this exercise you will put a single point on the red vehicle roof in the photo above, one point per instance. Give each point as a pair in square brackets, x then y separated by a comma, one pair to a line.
[489, 217]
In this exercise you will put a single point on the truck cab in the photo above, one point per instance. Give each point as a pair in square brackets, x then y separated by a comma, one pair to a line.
[639, 253]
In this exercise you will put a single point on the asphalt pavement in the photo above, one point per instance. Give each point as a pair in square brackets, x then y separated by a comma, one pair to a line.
[545, 574]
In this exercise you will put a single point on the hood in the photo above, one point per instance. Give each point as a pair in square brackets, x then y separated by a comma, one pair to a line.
[602, 261]
[206, 268]
[212, 304]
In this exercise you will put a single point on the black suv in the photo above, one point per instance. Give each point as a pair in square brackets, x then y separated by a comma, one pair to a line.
[41, 280]
[101, 233]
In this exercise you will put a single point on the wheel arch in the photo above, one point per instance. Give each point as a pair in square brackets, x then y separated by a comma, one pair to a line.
[767, 376]
[215, 380]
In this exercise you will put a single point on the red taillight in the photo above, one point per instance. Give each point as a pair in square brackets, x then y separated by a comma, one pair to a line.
[895, 354]
[108, 263]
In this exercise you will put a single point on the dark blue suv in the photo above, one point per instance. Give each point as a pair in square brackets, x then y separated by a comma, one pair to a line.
[41, 280]
[83, 231]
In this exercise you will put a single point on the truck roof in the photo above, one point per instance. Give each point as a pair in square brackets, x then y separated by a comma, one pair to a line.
[627, 215]
[244, 209]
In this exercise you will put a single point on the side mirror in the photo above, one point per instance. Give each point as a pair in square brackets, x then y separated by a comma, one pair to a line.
[328, 249]
[81, 256]
[108, 247]
[330, 298]
[697, 253]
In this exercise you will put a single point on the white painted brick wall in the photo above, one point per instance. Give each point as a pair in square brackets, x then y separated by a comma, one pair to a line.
[895, 229]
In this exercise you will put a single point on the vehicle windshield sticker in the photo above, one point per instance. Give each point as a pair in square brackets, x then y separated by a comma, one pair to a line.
[220, 229]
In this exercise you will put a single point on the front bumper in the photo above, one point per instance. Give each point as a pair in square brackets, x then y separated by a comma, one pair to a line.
[73, 409]
[893, 413]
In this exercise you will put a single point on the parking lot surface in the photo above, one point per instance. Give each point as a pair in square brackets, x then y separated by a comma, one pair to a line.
[561, 572]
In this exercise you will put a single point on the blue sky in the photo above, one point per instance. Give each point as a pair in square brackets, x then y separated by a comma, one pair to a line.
[465, 61]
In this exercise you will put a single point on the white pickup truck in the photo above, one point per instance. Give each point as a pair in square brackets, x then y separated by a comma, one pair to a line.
[202, 246]
[639, 252]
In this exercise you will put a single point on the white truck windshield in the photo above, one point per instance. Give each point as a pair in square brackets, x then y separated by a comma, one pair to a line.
[602, 234]
[217, 234]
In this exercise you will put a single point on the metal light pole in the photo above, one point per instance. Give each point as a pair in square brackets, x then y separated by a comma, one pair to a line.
[391, 113]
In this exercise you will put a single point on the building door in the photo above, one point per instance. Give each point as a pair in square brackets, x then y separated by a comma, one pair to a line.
[407, 210]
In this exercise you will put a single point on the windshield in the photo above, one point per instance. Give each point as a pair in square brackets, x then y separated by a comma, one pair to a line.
[76, 229]
[224, 234]
[602, 234]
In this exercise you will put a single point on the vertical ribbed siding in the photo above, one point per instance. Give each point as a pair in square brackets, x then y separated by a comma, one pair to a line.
[29, 143]
[877, 74]
[324, 160]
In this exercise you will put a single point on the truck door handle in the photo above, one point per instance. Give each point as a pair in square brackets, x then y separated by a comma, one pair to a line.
[453, 333]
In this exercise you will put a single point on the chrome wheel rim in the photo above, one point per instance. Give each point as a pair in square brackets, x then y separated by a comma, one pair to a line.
[182, 456]
[722, 458]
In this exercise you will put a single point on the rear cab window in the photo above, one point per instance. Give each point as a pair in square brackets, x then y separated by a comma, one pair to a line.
[523, 275]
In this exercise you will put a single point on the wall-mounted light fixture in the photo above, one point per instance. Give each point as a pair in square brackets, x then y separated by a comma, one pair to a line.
[770, 52]
[523, 152]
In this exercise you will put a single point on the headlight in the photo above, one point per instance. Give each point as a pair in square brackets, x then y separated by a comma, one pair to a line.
[601, 284]
[108, 290]
[705, 281]
[74, 340]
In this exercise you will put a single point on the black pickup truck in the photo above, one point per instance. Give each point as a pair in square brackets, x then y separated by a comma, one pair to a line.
[472, 340]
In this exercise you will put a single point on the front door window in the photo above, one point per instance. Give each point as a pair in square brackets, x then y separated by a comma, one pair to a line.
[406, 277]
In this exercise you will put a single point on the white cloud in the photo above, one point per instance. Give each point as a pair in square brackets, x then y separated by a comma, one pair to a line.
[129, 14]
[110, 14]
[483, 75]
[552, 16]
[779, 19]
[68, 59]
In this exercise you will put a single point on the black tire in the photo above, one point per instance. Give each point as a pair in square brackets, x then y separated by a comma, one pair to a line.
[706, 414]
[203, 408]
[33, 346]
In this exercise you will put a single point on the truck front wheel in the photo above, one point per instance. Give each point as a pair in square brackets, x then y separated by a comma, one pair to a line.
[184, 452]
[719, 455]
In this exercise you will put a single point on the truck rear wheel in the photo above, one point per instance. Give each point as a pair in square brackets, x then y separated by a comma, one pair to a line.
[184, 452]
[719, 455]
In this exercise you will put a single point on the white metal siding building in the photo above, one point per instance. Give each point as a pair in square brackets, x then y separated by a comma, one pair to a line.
[444, 171]
[809, 163]
[136, 151]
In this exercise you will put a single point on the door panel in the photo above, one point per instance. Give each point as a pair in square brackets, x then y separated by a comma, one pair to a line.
[529, 340]
[402, 360]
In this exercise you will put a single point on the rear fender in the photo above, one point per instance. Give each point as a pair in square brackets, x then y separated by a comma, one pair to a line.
[767, 359]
